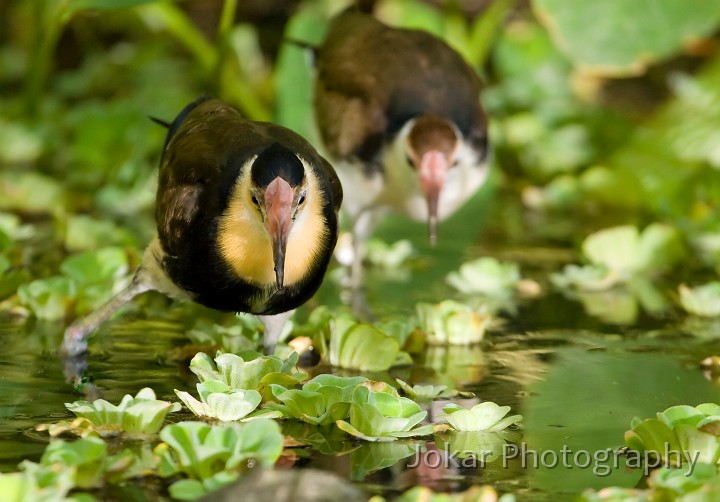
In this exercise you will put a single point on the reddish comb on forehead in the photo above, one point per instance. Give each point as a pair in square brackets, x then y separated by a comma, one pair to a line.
[430, 132]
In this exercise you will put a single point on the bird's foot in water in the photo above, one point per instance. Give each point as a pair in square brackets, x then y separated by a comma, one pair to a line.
[75, 370]
[74, 342]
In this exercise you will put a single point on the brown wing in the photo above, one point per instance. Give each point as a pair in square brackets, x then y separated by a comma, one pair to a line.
[192, 161]
[372, 79]
[348, 108]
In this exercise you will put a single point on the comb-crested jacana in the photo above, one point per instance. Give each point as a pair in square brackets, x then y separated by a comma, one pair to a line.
[246, 221]
[400, 115]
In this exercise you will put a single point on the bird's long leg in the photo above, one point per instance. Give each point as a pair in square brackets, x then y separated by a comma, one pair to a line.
[361, 231]
[75, 340]
[274, 325]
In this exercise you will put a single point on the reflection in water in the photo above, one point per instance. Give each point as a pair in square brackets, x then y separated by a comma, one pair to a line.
[577, 381]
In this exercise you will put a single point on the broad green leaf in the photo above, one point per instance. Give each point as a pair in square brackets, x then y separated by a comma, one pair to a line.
[486, 416]
[48, 298]
[619, 37]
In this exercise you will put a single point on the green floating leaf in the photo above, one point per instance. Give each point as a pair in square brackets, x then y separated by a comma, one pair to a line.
[450, 322]
[679, 434]
[483, 417]
[217, 400]
[361, 346]
[322, 401]
[620, 255]
[702, 300]
[486, 276]
[626, 251]
[389, 256]
[213, 456]
[421, 393]
[377, 413]
[48, 298]
[617, 37]
[140, 414]
[246, 371]
[36, 482]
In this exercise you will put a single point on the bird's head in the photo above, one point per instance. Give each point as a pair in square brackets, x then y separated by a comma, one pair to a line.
[431, 147]
[278, 191]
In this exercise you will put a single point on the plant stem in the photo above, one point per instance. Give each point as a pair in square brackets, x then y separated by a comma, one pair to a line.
[167, 16]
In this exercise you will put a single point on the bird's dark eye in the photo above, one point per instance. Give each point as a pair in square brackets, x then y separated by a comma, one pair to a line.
[255, 201]
[301, 199]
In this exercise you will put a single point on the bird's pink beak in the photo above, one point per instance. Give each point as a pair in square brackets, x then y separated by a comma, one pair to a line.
[278, 219]
[433, 168]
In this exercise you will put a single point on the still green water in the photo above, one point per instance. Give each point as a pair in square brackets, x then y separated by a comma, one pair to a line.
[577, 380]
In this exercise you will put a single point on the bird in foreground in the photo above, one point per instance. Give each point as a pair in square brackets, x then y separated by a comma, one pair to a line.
[399, 113]
[246, 221]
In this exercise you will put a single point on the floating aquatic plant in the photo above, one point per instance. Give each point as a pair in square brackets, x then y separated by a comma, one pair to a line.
[361, 346]
[213, 456]
[217, 400]
[65, 465]
[486, 417]
[389, 256]
[321, 401]
[702, 300]
[451, 322]
[680, 433]
[247, 371]
[48, 298]
[90, 462]
[485, 276]
[140, 414]
[618, 254]
[666, 483]
[378, 413]
[39, 483]
[425, 392]
[241, 335]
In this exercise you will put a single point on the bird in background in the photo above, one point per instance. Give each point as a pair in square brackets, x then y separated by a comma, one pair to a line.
[246, 221]
[399, 113]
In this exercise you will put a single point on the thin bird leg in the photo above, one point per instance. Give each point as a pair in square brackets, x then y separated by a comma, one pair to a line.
[274, 325]
[361, 233]
[75, 341]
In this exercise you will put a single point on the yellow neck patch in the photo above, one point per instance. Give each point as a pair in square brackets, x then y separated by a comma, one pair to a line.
[244, 242]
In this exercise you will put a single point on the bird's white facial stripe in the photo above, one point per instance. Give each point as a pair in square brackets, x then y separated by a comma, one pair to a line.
[245, 244]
